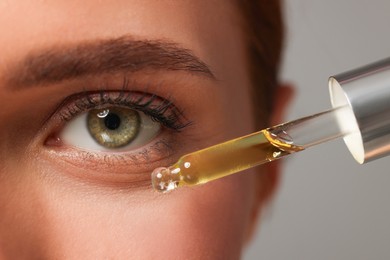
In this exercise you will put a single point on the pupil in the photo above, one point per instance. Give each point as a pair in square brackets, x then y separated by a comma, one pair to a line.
[112, 121]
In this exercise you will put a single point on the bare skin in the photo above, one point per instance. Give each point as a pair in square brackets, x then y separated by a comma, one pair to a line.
[61, 201]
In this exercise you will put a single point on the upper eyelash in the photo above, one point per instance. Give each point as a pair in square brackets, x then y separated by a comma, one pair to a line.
[159, 109]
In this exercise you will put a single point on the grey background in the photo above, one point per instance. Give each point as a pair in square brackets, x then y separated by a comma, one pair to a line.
[328, 206]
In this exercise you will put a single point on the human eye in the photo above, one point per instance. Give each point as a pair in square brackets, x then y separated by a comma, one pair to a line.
[111, 128]
[115, 130]
[112, 121]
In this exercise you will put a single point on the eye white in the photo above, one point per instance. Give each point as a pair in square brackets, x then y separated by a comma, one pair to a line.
[76, 134]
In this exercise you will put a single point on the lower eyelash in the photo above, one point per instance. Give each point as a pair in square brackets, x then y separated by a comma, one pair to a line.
[159, 109]
[109, 162]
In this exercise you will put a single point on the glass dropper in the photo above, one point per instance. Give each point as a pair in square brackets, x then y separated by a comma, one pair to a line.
[361, 115]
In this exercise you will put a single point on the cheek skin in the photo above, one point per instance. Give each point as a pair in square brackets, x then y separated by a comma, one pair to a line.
[22, 232]
[60, 219]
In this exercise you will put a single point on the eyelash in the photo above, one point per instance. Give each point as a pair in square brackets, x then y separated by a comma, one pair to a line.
[159, 109]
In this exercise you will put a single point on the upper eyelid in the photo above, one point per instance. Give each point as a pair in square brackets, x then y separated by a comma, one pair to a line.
[132, 99]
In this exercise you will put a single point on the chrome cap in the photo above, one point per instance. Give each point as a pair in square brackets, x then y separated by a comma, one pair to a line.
[366, 91]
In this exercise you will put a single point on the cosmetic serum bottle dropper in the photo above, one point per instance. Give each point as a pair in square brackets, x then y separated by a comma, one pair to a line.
[360, 115]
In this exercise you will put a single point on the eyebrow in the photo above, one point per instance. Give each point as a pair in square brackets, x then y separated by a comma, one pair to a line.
[61, 63]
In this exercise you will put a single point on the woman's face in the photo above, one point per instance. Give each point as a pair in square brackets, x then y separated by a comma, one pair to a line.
[73, 185]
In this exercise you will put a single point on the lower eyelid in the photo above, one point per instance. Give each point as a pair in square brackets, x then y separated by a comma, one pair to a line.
[140, 161]
[122, 170]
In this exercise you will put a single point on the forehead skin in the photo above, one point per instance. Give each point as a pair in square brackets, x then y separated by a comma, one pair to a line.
[209, 28]
[52, 221]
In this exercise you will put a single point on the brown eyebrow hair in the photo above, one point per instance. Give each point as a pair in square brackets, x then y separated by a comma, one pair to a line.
[103, 56]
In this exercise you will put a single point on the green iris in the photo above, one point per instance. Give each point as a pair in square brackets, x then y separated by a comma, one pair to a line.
[113, 127]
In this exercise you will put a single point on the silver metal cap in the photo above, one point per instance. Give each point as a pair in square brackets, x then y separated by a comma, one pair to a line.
[366, 91]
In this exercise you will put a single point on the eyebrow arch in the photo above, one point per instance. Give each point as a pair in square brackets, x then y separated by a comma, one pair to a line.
[102, 56]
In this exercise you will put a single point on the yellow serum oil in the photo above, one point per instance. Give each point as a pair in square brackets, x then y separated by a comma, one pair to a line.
[222, 160]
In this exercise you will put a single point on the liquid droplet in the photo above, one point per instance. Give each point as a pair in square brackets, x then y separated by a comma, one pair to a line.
[165, 179]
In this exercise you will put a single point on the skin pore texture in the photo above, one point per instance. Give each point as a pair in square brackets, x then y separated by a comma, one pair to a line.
[60, 201]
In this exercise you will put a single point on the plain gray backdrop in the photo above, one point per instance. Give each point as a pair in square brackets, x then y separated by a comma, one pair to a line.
[328, 206]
